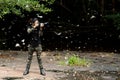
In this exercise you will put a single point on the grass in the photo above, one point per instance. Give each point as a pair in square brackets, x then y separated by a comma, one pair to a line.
[74, 60]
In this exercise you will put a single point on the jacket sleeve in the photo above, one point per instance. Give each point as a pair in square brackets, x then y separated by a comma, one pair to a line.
[29, 30]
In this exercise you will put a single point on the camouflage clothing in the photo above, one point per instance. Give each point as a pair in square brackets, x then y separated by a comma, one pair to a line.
[35, 45]
[30, 55]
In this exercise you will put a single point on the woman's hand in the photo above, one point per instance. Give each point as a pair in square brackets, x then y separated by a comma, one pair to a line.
[34, 26]
[41, 26]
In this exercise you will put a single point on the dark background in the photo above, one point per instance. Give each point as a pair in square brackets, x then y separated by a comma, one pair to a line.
[84, 25]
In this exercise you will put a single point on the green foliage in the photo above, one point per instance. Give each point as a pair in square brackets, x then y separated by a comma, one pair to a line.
[76, 61]
[49, 1]
[19, 6]
[115, 19]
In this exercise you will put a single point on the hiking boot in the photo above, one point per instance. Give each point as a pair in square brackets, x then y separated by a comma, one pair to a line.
[26, 72]
[42, 72]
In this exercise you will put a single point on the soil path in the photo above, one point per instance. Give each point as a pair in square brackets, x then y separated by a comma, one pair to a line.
[12, 64]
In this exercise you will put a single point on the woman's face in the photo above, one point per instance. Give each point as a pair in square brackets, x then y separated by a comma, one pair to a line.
[36, 23]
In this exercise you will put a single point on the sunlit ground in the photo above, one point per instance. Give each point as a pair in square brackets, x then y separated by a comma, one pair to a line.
[104, 66]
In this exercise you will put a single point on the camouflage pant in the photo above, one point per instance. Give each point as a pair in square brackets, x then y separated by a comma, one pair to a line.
[30, 55]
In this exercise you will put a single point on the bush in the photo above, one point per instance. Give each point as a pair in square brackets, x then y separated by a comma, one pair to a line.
[76, 61]
[115, 19]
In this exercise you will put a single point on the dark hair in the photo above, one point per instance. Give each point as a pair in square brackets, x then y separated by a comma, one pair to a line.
[34, 19]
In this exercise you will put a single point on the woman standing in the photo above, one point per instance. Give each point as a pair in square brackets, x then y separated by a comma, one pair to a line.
[34, 31]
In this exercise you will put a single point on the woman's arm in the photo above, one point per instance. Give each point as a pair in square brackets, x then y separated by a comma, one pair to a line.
[29, 30]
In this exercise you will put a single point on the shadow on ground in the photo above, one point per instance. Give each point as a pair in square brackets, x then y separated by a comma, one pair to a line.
[12, 78]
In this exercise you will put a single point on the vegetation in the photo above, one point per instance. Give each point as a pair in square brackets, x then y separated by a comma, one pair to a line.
[115, 19]
[18, 7]
[76, 61]
[73, 24]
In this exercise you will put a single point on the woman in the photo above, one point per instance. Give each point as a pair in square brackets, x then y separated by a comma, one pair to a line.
[34, 45]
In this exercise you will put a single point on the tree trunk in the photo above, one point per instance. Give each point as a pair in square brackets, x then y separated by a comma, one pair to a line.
[84, 6]
[61, 2]
[102, 7]
[113, 6]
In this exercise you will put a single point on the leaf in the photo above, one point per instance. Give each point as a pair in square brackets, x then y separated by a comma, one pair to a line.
[19, 6]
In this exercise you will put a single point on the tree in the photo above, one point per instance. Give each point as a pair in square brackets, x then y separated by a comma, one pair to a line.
[14, 15]
[18, 7]
[102, 7]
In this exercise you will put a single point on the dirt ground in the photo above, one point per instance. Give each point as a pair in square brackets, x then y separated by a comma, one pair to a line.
[12, 65]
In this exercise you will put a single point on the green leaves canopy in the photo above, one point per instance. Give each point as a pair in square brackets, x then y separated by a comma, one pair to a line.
[19, 6]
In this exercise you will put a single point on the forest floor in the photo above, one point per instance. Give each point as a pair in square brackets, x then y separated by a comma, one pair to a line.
[104, 66]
